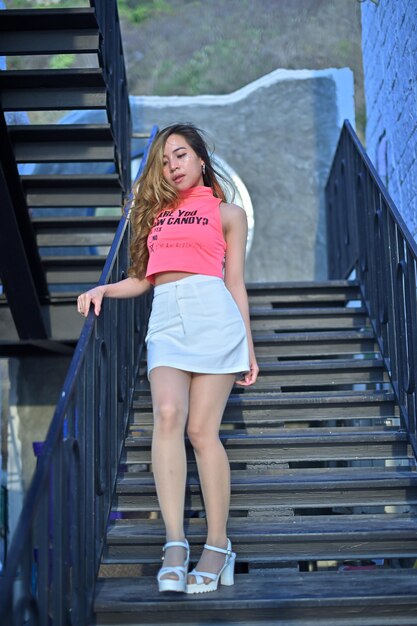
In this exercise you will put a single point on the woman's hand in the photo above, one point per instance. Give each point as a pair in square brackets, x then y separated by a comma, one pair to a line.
[251, 376]
[93, 296]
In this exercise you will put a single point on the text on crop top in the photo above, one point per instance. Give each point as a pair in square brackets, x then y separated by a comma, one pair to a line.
[188, 238]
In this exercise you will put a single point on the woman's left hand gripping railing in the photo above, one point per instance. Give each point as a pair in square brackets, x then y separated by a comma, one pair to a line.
[55, 552]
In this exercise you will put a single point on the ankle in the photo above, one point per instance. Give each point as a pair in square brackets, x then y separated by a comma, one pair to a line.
[218, 541]
[175, 537]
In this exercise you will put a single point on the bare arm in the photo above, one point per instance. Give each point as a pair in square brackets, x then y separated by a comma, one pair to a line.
[126, 288]
[236, 231]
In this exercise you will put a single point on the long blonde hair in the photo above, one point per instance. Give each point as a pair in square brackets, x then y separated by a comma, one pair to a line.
[152, 193]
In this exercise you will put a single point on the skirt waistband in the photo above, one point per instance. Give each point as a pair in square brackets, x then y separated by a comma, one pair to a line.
[195, 278]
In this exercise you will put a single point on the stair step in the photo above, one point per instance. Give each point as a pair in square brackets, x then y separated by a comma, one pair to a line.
[301, 286]
[299, 293]
[294, 445]
[73, 269]
[53, 31]
[320, 537]
[75, 231]
[270, 419]
[296, 373]
[62, 143]
[351, 598]
[47, 19]
[280, 490]
[49, 90]
[55, 191]
[289, 319]
[273, 346]
[280, 407]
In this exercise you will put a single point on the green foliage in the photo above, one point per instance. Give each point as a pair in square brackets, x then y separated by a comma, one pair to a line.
[61, 61]
[136, 12]
[210, 69]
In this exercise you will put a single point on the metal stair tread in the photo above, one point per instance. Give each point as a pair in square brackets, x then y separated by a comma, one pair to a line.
[72, 191]
[145, 531]
[29, 19]
[263, 312]
[67, 222]
[312, 335]
[86, 261]
[44, 41]
[68, 78]
[289, 479]
[281, 539]
[54, 132]
[320, 435]
[300, 284]
[319, 364]
[271, 473]
[313, 399]
[253, 592]
[62, 180]
[62, 143]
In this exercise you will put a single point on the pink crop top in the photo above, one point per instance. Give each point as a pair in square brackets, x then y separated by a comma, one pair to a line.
[189, 238]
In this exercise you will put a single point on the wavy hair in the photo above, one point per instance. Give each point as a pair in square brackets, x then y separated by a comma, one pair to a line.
[152, 193]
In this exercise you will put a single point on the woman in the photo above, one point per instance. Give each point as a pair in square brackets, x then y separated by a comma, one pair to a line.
[190, 244]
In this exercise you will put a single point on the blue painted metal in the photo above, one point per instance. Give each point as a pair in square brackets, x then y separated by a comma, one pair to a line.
[55, 553]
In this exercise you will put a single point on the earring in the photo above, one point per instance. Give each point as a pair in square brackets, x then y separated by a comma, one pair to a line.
[204, 168]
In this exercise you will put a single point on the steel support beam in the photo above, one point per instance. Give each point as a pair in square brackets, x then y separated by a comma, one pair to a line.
[16, 273]
[20, 210]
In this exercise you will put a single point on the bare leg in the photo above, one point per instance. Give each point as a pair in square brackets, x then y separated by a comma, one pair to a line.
[208, 397]
[170, 399]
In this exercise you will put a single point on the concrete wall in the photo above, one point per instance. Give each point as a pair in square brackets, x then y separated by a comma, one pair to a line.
[389, 40]
[279, 134]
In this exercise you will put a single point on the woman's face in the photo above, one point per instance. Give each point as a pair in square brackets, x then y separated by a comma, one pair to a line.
[182, 168]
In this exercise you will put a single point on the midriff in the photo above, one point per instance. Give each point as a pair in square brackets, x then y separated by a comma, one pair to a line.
[170, 277]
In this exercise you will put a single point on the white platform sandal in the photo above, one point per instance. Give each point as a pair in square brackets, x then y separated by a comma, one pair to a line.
[226, 574]
[171, 584]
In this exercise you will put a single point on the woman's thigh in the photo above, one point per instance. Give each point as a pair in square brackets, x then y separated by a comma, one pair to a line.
[208, 397]
[170, 389]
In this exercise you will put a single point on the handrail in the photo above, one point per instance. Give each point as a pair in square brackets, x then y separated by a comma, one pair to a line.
[366, 234]
[55, 552]
[114, 74]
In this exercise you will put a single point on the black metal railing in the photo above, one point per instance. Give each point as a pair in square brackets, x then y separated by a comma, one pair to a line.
[114, 73]
[55, 553]
[366, 234]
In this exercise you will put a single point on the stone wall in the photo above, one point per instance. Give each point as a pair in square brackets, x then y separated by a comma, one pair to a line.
[389, 39]
[279, 134]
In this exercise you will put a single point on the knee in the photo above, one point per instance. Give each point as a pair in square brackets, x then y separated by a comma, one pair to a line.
[199, 438]
[169, 419]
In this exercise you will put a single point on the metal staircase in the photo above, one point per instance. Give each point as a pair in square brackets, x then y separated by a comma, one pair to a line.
[324, 483]
[323, 449]
[74, 168]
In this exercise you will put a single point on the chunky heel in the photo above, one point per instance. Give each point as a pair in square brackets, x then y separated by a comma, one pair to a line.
[225, 576]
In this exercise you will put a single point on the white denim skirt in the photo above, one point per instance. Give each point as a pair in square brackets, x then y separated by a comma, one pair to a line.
[195, 325]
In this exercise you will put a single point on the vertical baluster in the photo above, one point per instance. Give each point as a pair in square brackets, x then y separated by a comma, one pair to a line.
[57, 541]
[42, 553]
[88, 512]
[392, 232]
[386, 291]
[411, 312]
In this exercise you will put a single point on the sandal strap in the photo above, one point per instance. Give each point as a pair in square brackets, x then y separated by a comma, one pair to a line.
[227, 551]
[179, 544]
[199, 576]
[178, 570]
